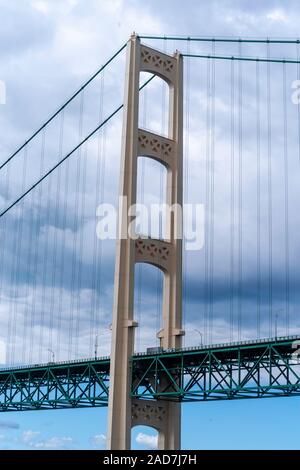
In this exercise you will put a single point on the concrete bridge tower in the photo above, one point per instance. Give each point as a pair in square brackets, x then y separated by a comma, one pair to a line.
[124, 412]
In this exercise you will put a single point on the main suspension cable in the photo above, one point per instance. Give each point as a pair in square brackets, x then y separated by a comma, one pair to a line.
[222, 39]
[69, 154]
[63, 106]
[243, 58]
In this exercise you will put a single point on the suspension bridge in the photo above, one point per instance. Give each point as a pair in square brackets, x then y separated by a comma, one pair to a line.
[216, 123]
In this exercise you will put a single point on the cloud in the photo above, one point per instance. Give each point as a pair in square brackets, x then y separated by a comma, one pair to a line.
[28, 437]
[277, 15]
[150, 442]
[98, 441]
[33, 439]
[55, 443]
[41, 6]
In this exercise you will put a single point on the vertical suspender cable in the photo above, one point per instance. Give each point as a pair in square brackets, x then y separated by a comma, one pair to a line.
[73, 313]
[232, 200]
[28, 287]
[80, 254]
[286, 200]
[20, 252]
[4, 240]
[62, 298]
[186, 183]
[207, 201]
[53, 299]
[270, 202]
[12, 297]
[18, 255]
[240, 197]
[100, 270]
[97, 249]
[258, 200]
[44, 306]
[35, 294]
[212, 196]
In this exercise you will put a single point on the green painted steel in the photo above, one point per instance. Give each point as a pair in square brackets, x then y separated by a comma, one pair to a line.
[268, 368]
[243, 58]
[221, 39]
[53, 386]
[253, 369]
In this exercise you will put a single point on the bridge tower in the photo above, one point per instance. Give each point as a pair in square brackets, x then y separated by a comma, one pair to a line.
[124, 412]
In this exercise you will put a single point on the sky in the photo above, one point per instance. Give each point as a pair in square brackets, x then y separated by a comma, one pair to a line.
[57, 279]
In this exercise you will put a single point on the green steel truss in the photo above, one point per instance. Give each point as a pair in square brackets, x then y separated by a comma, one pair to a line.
[52, 386]
[246, 370]
[252, 369]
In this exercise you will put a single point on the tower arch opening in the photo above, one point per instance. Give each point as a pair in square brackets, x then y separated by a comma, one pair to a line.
[144, 437]
[148, 301]
[154, 104]
[151, 197]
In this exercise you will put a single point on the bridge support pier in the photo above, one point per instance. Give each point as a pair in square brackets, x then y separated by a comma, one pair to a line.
[161, 415]
[124, 413]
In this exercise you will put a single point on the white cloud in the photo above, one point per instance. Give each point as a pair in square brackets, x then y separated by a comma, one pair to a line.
[46, 7]
[150, 442]
[29, 436]
[33, 439]
[54, 443]
[278, 16]
[98, 441]
[41, 6]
